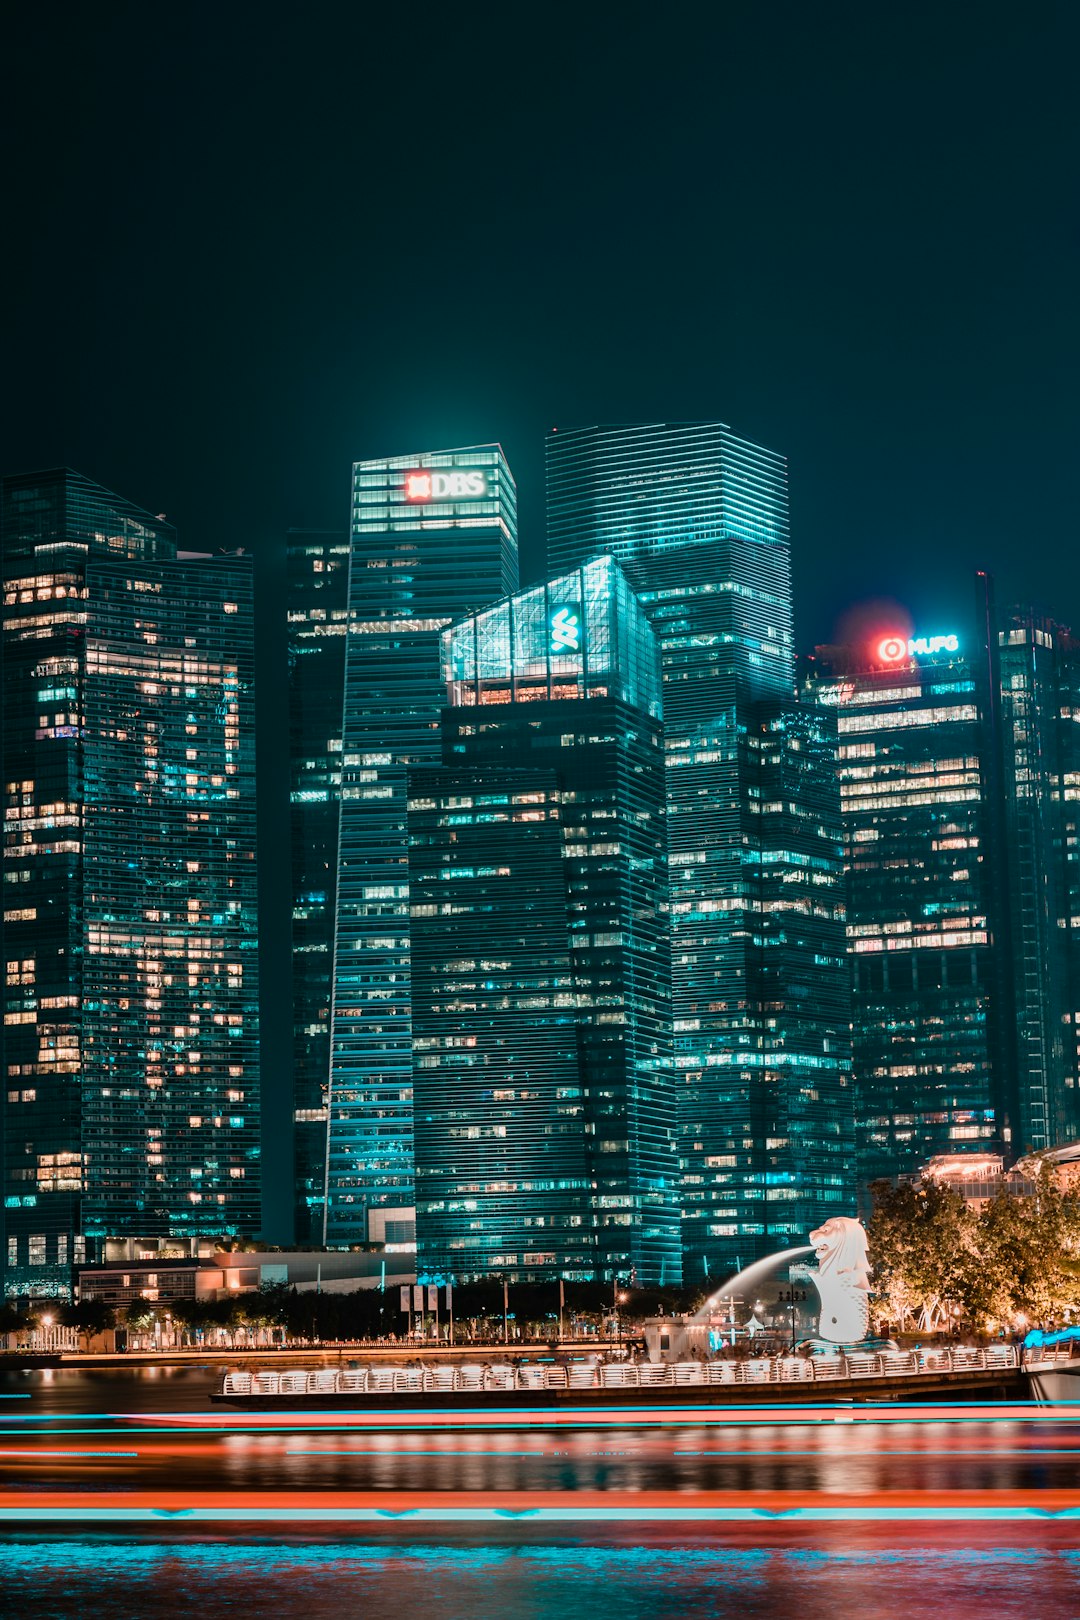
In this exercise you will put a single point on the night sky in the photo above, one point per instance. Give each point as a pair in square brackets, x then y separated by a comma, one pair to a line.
[245, 244]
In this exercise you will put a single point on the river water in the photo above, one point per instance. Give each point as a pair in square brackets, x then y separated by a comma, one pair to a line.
[128, 1436]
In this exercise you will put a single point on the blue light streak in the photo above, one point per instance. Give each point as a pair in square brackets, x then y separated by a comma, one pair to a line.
[578, 1514]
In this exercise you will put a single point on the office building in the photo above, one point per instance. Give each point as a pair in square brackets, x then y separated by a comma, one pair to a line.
[544, 1102]
[433, 538]
[959, 810]
[317, 581]
[131, 1103]
[1036, 722]
[698, 519]
[914, 802]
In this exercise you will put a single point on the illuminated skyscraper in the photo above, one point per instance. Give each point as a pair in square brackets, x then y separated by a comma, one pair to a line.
[913, 796]
[434, 537]
[958, 784]
[131, 1005]
[698, 518]
[1038, 727]
[545, 1141]
[317, 563]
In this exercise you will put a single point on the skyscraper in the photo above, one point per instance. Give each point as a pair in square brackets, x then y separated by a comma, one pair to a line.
[434, 537]
[1035, 676]
[698, 518]
[956, 764]
[545, 1142]
[317, 580]
[131, 1004]
[926, 1047]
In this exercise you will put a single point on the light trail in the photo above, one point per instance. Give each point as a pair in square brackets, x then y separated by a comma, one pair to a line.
[655, 1507]
[38, 1452]
[484, 1420]
[416, 1451]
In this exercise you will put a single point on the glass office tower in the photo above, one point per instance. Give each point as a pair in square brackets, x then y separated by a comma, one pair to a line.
[1036, 659]
[957, 766]
[698, 518]
[317, 581]
[545, 1141]
[913, 795]
[130, 1018]
[434, 537]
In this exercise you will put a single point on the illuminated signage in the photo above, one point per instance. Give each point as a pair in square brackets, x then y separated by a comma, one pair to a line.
[445, 486]
[894, 649]
[565, 628]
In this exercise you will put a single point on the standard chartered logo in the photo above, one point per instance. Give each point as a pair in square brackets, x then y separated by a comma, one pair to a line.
[565, 627]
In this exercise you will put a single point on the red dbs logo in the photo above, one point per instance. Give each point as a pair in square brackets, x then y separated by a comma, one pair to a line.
[418, 486]
[892, 649]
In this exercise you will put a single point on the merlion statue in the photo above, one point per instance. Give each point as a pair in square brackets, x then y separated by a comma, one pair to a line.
[842, 1279]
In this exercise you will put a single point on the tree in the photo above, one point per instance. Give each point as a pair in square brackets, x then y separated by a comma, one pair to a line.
[90, 1316]
[923, 1250]
[138, 1315]
[939, 1263]
[1028, 1249]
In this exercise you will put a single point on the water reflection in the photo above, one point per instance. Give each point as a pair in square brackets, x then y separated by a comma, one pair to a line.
[456, 1578]
[70, 1408]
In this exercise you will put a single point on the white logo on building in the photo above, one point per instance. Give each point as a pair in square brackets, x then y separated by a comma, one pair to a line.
[445, 486]
[565, 629]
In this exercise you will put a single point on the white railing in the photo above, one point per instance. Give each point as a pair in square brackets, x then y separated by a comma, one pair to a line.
[622, 1375]
[1050, 1354]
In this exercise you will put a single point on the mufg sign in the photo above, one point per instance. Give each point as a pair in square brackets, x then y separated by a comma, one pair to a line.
[895, 649]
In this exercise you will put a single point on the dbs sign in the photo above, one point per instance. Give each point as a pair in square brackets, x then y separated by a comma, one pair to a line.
[422, 485]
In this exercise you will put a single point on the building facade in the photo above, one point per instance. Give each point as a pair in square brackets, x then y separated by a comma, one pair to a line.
[1036, 743]
[698, 518]
[544, 1096]
[959, 810]
[914, 802]
[131, 1002]
[433, 538]
[317, 584]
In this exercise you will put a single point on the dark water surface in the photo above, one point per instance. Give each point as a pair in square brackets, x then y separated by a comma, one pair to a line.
[106, 1431]
[599, 1577]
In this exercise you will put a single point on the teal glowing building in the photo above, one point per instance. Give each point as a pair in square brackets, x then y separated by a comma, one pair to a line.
[543, 1085]
[698, 519]
[913, 786]
[131, 1105]
[317, 582]
[433, 537]
[957, 766]
[1036, 730]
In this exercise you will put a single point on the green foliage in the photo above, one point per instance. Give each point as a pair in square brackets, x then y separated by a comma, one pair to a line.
[939, 1264]
[138, 1315]
[90, 1316]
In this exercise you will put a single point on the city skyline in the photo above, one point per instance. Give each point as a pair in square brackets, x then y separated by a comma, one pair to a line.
[540, 688]
[318, 625]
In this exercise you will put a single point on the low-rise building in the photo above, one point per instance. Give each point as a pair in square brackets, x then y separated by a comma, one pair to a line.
[222, 1274]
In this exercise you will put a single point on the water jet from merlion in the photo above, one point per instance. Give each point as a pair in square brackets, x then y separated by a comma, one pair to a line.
[841, 1278]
